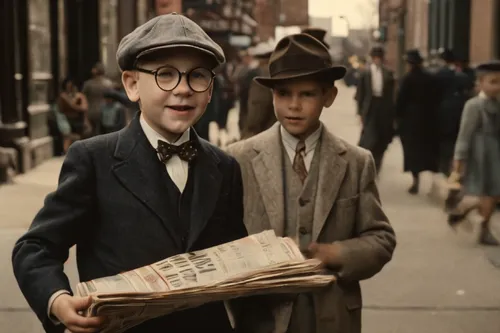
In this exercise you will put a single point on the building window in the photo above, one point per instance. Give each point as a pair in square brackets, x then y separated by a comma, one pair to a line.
[39, 51]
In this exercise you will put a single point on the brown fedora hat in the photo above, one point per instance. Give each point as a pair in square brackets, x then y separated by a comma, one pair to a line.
[317, 33]
[299, 56]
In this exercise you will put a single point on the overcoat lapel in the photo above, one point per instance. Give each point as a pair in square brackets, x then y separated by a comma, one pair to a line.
[368, 83]
[139, 170]
[268, 169]
[332, 169]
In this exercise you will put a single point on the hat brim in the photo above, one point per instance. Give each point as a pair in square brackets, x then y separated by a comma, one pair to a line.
[263, 55]
[332, 73]
[217, 59]
[489, 67]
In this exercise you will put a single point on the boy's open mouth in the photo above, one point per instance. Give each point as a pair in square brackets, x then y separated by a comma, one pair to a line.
[181, 107]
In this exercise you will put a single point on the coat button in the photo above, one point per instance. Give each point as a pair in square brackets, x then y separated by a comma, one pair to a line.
[303, 202]
[303, 230]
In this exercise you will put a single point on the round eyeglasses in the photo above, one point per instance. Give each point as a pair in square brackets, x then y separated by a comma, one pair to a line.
[168, 78]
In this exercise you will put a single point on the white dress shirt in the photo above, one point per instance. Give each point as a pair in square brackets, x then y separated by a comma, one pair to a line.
[377, 80]
[290, 143]
[177, 168]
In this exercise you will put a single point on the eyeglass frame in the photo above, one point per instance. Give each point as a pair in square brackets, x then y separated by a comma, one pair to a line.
[181, 74]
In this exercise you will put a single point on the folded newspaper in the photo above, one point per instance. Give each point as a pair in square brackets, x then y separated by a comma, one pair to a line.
[258, 264]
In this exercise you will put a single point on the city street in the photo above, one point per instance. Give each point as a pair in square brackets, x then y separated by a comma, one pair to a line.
[439, 281]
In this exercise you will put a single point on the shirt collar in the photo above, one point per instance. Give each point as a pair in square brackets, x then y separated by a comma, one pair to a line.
[154, 136]
[483, 95]
[311, 141]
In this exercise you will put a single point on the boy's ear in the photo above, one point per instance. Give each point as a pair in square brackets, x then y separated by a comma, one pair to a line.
[210, 92]
[130, 80]
[330, 95]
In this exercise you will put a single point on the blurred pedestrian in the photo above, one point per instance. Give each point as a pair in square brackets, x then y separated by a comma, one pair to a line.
[260, 107]
[94, 90]
[454, 91]
[375, 101]
[416, 107]
[247, 74]
[71, 114]
[477, 151]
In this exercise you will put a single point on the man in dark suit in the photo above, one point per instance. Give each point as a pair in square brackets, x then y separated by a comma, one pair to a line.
[140, 195]
[375, 101]
[455, 89]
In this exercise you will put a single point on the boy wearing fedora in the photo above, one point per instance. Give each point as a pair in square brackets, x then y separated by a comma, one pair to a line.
[145, 193]
[305, 183]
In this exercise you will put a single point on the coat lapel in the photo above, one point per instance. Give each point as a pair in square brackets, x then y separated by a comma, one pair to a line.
[267, 166]
[332, 169]
[368, 84]
[207, 185]
[139, 170]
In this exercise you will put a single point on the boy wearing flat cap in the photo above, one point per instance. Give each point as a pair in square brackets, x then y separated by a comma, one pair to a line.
[145, 193]
[304, 182]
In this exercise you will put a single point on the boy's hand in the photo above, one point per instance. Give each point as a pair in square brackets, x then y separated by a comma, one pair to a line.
[66, 307]
[329, 254]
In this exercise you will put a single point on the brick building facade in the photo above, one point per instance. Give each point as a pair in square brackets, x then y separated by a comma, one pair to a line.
[484, 30]
[272, 13]
[471, 28]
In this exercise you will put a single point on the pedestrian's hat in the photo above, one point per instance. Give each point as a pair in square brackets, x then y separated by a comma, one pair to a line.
[490, 66]
[447, 55]
[263, 50]
[377, 51]
[317, 33]
[413, 57]
[298, 56]
[165, 32]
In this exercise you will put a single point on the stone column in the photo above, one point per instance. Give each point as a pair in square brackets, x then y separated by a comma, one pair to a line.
[12, 125]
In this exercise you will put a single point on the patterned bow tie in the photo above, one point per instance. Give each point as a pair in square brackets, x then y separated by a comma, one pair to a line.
[186, 151]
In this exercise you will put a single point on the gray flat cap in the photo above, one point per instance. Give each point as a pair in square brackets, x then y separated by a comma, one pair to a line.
[163, 32]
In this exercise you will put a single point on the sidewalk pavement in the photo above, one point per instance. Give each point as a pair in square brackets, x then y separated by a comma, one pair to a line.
[20, 201]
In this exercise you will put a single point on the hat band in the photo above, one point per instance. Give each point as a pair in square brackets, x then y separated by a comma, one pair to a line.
[298, 63]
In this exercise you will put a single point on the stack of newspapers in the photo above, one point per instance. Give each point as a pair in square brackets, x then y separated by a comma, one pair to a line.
[258, 264]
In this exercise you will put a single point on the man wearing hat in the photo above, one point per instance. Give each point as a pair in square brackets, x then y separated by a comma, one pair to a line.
[375, 99]
[249, 70]
[416, 105]
[454, 90]
[260, 112]
[137, 196]
[305, 183]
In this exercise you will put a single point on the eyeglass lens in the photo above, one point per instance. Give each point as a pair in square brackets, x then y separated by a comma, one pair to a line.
[198, 79]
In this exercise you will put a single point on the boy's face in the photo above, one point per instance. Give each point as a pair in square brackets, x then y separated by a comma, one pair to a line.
[298, 105]
[170, 113]
[490, 84]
